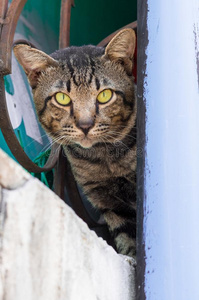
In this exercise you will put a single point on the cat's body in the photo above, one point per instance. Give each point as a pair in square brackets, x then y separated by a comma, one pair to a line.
[85, 99]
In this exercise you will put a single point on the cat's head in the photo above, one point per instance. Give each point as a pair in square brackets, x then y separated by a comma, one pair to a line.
[83, 95]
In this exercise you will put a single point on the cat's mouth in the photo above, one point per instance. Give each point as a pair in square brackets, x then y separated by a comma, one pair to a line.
[85, 142]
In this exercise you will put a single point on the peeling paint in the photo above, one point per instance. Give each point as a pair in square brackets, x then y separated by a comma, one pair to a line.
[196, 38]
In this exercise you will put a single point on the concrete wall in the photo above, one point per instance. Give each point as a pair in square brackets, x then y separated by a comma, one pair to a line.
[47, 252]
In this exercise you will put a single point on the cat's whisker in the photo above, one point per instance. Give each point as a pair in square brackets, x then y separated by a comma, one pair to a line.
[120, 125]
[105, 143]
[41, 136]
[47, 146]
[121, 135]
[118, 142]
[54, 141]
[126, 134]
[118, 131]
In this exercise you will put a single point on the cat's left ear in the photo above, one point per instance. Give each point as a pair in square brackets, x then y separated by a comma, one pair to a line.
[33, 61]
[121, 48]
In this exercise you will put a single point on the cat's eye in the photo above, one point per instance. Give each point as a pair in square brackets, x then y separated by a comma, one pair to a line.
[62, 98]
[104, 96]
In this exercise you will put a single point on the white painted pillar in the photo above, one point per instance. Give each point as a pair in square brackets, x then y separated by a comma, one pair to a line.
[171, 172]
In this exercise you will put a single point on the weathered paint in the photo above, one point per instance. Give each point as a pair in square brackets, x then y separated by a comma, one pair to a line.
[171, 172]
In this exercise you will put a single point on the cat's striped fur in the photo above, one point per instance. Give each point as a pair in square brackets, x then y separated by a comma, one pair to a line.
[98, 139]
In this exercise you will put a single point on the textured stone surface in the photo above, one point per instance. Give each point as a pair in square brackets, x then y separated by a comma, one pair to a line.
[47, 252]
[11, 174]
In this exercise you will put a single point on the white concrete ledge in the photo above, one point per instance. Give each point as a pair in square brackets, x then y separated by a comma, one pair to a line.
[47, 252]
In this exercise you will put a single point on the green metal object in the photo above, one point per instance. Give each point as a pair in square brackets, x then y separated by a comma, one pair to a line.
[9, 85]
[39, 23]
[92, 21]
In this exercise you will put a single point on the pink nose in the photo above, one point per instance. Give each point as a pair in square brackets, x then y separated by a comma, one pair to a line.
[85, 126]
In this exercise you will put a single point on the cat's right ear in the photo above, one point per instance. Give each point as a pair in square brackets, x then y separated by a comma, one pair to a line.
[33, 61]
[121, 49]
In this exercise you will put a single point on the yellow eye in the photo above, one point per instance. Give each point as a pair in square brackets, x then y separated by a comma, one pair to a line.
[104, 96]
[62, 98]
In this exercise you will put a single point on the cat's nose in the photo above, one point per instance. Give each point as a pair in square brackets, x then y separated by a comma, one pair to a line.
[85, 126]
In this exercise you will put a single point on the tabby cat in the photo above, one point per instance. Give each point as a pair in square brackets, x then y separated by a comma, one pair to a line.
[86, 100]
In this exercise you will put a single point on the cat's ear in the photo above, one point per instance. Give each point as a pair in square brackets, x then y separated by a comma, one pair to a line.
[33, 61]
[121, 48]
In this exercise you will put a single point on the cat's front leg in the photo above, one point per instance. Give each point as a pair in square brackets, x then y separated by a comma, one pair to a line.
[123, 232]
[116, 199]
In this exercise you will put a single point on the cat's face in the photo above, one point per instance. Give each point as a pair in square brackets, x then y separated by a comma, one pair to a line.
[83, 95]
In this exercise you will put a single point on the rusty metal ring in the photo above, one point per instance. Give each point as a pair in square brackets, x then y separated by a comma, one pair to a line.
[8, 22]
[13, 143]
